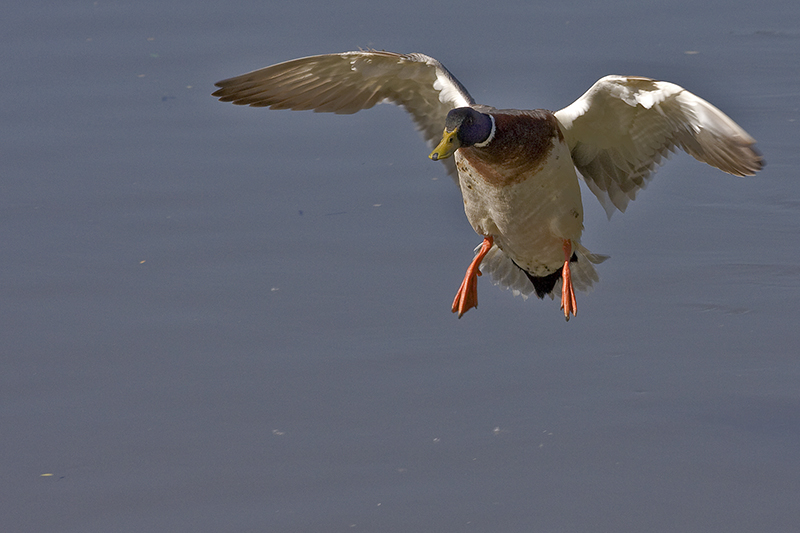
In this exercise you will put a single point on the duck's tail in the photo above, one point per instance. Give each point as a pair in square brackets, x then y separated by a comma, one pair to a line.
[508, 275]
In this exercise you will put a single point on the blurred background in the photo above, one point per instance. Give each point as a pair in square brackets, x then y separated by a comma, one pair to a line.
[226, 319]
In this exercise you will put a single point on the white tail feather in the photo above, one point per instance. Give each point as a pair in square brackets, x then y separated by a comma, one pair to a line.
[508, 275]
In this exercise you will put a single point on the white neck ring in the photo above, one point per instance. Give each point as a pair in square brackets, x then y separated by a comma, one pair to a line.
[485, 143]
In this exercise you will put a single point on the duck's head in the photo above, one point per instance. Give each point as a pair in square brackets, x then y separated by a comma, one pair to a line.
[464, 126]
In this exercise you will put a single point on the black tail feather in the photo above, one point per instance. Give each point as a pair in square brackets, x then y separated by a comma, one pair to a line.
[543, 285]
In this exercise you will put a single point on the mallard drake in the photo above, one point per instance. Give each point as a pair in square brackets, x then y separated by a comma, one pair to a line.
[517, 169]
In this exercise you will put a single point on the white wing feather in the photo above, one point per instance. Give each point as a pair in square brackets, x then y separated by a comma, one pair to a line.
[351, 81]
[620, 130]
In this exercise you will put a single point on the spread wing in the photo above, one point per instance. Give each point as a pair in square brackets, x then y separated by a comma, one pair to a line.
[622, 127]
[351, 81]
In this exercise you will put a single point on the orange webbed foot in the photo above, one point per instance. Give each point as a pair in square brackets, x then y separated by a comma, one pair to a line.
[467, 295]
[568, 303]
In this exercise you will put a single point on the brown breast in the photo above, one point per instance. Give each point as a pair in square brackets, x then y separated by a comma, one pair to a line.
[522, 142]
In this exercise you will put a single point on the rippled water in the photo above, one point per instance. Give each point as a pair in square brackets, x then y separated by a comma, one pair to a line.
[229, 319]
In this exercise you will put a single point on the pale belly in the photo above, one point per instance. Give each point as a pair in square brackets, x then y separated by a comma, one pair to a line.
[529, 218]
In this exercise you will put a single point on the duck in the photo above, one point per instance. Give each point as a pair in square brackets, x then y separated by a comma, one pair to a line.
[518, 170]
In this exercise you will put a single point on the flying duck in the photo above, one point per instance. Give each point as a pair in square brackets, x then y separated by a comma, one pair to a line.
[518, 169]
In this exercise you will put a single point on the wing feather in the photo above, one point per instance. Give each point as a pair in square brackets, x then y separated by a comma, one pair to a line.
[622, 128]
[351, 81]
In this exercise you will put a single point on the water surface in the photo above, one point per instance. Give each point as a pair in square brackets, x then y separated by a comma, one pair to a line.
[231, 319]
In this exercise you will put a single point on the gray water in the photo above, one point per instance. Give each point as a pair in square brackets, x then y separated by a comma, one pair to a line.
[224, 319]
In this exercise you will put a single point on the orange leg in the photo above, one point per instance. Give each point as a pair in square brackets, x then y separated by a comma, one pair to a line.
[467, 296]
[568, 303]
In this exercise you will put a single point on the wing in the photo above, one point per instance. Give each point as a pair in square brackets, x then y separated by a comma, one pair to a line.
[351, 81]
[622, 128]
